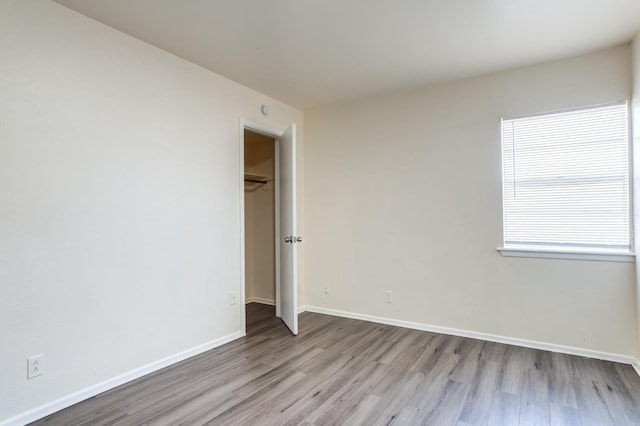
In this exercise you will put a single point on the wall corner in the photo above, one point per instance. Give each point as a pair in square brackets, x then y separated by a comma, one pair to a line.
[635, 138]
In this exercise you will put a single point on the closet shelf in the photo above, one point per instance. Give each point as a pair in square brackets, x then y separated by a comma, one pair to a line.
[250, 177]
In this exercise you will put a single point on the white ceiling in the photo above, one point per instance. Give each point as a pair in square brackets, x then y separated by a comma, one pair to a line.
[312, 52]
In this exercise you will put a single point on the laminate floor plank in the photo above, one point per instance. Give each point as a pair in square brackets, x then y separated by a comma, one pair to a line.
[477, 407]
[345, 371]
[433, 352]
[560, 415]
[342, 401]
[364, 411]
[431, 389]
[492, 351]
[593, 408]
[325, 392]
[448, 408]
[258, 405]
[511, 372]
[505, 409]
[465, 370]
[561, 391]
[534, 413]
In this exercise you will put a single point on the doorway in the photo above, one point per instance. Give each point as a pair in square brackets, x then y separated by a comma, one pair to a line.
[260, 226]
[286, 238]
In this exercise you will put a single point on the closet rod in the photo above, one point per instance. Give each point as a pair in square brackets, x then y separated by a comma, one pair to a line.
[262, 181]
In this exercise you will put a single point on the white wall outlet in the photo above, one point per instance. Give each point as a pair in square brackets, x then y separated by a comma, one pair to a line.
[387, 297]
[35, 366]
[325, 287]
[233, 298]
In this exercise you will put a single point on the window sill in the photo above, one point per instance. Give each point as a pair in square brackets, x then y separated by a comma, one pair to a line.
[552, 253]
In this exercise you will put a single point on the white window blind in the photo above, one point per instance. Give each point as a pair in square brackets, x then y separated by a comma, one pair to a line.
[566, 180]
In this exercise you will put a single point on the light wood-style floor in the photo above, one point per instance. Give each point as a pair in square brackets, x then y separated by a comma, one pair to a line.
[343, 371]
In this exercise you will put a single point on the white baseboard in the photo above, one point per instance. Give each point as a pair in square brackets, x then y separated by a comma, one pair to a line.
[260, 300]
[91, 391]
[606, 356]
[302, 309]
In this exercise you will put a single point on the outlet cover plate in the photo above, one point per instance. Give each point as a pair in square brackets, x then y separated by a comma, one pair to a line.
[35, 366]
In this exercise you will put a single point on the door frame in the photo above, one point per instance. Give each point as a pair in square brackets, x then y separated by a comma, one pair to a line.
[256, 128]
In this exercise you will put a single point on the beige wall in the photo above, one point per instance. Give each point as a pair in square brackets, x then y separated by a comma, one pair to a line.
[403, 193]
[120, 186]
[260, 219]
[248, 247]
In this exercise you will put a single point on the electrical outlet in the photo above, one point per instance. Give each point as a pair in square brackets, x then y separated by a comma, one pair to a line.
[325, 287]
[387, 296]
[233, 298]
[35, 366]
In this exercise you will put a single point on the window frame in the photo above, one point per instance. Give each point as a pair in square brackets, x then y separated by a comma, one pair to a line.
[569, 251]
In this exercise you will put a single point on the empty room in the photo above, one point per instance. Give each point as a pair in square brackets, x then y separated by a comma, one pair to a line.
[301, 212]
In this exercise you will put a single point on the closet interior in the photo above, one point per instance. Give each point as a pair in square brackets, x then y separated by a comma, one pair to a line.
[259, 218]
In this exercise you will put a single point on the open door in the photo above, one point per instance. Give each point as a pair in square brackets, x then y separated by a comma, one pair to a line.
[288, 238]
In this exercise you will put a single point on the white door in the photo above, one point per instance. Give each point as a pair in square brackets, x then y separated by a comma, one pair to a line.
[288, 238]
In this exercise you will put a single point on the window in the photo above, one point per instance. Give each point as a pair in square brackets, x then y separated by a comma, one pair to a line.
[566, 184]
